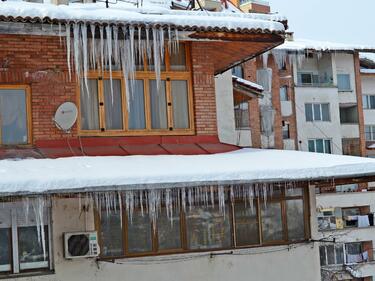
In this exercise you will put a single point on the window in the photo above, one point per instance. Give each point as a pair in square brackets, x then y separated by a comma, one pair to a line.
[343, 82]
[349, 115]
[317, 112]
[14, 115]
[242, 115]
[238, 71]
[348, 253]
[24, 244]
[205, 227]
[284, 93]
[306, 78]
[368, 101]
[370, 132]
[320, 145]
[148, 106]
[286, 132]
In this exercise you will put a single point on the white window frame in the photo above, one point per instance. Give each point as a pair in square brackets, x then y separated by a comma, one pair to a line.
[15, 265]
[320, 112]
[367, 105]
[343, 245]
[324, 146]
[372, 131]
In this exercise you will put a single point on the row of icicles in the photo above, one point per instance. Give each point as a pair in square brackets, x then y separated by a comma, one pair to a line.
[100, 48]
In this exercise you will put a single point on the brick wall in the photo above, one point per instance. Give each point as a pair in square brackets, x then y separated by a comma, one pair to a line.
[40, 62]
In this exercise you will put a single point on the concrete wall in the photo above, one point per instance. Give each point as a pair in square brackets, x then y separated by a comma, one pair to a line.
[345, 65]
[247, 264]
[225, 113]
[313, 130]
[368, 88]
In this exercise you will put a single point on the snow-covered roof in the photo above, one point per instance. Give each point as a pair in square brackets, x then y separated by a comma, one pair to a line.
[150, 14]
[131, 172]
[248, 83]
[367, 71]
[304, 44]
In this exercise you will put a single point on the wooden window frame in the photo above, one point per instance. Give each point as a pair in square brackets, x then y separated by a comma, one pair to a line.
[183, 228]
[29, 122]
[146, 75]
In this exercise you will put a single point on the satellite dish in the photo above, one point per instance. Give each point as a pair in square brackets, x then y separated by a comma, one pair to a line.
[66, 116]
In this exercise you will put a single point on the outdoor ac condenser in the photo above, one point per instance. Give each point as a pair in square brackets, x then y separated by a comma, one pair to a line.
[81, 245]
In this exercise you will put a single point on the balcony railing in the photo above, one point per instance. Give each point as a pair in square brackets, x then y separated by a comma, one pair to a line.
[315, 80]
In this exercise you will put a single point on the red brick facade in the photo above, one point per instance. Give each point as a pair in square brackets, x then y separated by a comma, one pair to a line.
[40, 62]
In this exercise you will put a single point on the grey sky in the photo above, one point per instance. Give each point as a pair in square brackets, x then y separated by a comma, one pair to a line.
[342, 21]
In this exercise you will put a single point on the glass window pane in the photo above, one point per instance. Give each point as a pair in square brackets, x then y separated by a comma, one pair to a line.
[353, 248]
[180, 104]
[89, 105]
[150, 62]
[272, 226]
[139, 233]
[331, 254]
[319, 146]
[113, 104]
[308, 112]
[322, 253]
[295, 219]
[169, 231]
[284, 93]
[325, 112]
[247, 229]
[208, 228]
[30, 248]
[365, 102]
[372, 102]
[311, 145]
[368, 132]
[343, 82]
[238, 71]
[317, 115]
[111, 234]
[178, 58]
[158, 105]
[5, 252]
[13, 117]
[339, 254]
[327, 146]
[293, 191]
[137, 118]
[306, 78]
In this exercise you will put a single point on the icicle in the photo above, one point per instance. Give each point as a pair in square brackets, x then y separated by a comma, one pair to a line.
[93, 47]
[141, 202]
[38, 206]
[169, 39]
[161, 44]
[101, 31]
[60, 32]
[116, 57]
[212, 195]
[85, 53]
[157, 62]
[68, 56]
[265, 59]
[183, 199]
[77, 59]
[109, 52]
[148, 45]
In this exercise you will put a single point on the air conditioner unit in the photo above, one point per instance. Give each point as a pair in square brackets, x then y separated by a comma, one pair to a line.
[81, 245]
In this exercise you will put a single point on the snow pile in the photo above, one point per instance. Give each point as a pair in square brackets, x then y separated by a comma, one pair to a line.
[149, 14]
[304, 44]
[143, 172]
[248, 83]
[367, 71]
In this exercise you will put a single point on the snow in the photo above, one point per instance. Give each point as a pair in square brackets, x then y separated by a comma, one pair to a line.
[367, 71]
[149, 14]
[164, 171]
[371, 145]
[248, 83]
[305, 44]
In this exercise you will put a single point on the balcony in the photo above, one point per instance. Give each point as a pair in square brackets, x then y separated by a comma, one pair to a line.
[309, 79]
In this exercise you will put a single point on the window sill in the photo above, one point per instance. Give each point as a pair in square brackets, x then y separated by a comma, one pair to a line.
[346, 91]
[27, 274]
[346, 229]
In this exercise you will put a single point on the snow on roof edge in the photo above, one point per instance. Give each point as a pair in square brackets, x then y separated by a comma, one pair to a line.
[83, 174]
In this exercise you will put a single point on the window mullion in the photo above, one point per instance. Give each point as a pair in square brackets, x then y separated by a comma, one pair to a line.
[101, 104]
[16, 263]
[125, 115]
[169, 104]
[258, 207]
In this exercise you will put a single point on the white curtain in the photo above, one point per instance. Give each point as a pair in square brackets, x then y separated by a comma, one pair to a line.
[158, 105]
[113, 105]
[89, 105]
[13, 117]
[180, 104]
[137, 106]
